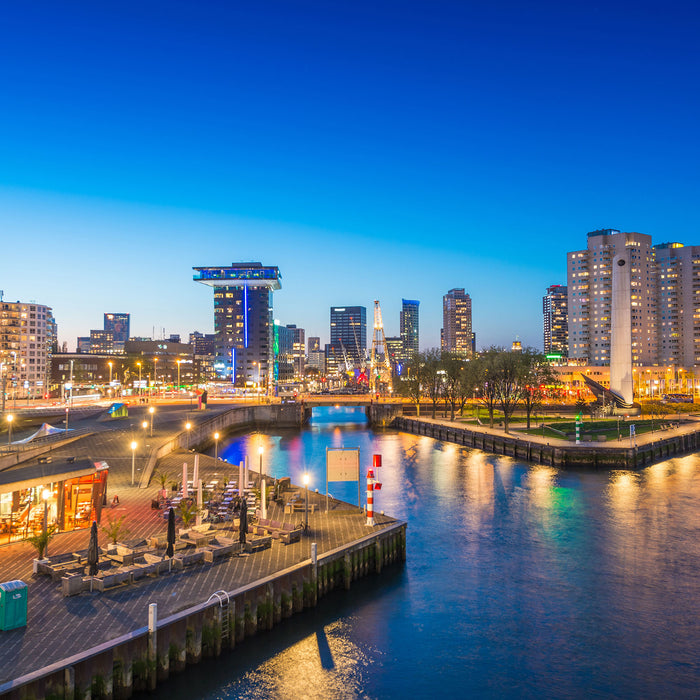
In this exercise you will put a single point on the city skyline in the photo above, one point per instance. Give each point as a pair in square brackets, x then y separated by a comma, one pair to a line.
[369, 152]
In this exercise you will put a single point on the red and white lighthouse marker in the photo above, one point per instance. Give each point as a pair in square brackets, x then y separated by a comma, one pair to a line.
[372, 486]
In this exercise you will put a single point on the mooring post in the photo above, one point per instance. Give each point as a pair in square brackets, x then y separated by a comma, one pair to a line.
[152, 644]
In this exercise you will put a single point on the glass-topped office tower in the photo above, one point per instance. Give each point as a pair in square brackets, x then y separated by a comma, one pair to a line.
[243, 323]
[409, 329]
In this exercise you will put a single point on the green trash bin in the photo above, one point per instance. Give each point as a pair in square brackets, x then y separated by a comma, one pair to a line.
[13, 605]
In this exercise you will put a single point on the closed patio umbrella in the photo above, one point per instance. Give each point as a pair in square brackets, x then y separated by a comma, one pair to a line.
[244, 521]
[93, 553]
[170, 550]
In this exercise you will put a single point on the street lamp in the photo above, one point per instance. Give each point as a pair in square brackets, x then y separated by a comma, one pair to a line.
[45, 494]
[110, 373]
[305, 479]
[151, 410]
[261, 449]
[188, 427]
[216, 445]
[155, 374]
[134, 445]
[178, 373]
[10, 418]
[139, 366]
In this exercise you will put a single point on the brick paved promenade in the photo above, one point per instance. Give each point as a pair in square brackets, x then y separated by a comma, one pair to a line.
[58, 627]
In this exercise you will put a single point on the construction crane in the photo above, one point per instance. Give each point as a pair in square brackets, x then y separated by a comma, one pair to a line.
[380, 366]
[348, 366]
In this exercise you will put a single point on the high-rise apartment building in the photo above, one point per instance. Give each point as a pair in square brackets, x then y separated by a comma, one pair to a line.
[28, 338]
[677, 270]
[589, 282]
[456, 334]
[349, 333]
[555, 320]
[118, 326]
[409, 329]
[243, 322]
[298, 353]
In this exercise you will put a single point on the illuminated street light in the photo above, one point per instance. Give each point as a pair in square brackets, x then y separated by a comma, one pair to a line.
[151, 410]
[110, 373]
[188, 427]
[10, 418]
[261, 449]
[178, 373]
[139, 365]
[216, 445]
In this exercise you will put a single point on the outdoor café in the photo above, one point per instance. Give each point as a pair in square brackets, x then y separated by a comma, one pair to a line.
[68, 494]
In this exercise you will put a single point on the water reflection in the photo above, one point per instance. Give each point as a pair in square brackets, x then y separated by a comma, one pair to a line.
[521, 581]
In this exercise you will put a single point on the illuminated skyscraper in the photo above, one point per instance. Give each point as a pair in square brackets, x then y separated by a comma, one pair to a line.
[409, 329]
[555, 321]
[118, 326]
[456, 333]
[243, 322]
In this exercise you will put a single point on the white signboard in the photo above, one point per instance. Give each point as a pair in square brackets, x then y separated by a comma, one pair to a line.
[343, 465]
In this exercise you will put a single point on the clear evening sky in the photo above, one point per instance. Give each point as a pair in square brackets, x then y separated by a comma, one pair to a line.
[370, 150]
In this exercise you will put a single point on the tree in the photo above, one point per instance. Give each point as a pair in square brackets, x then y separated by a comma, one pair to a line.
[485, 372]
[188, 510]
[115, 529]
[41, 541]
[409, 383]
[453, 367]
[537, 374]
[432, 376]
[509, 376]
[162, 478]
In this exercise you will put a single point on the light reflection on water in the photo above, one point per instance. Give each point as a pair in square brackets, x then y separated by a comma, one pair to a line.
[520, 581]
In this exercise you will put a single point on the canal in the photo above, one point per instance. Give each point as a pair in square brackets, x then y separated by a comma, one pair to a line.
[520, 581]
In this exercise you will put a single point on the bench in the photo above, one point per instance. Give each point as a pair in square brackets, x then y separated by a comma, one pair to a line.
[188, 559]
[255, 544]
[284, 532]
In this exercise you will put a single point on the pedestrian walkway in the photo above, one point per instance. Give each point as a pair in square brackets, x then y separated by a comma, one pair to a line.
[58, 627]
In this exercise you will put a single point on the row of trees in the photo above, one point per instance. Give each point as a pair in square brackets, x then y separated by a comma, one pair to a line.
[499, 379]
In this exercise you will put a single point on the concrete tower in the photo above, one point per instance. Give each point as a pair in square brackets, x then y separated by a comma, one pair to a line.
[621, 379]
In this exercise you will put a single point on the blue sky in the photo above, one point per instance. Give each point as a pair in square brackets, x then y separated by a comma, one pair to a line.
[370, 150]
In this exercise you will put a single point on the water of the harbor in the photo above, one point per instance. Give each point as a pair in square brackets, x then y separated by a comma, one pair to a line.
[520, 581]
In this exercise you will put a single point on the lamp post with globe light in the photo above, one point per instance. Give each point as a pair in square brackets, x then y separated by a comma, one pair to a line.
[10, 418]
[151, 411]
[216, 445]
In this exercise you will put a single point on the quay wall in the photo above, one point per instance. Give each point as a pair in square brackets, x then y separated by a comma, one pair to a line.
[239, 418]
[138, 661]
[561, 456]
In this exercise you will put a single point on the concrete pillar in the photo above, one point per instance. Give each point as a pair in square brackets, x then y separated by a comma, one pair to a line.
[152, 645]
[621, 379]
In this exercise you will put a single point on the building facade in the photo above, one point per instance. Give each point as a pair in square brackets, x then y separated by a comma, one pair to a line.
[409, 329]
[456, 334]
[118, 326]
[589, 282]
[348, 334]
[677, 270]
[555, 320]
[243, 322]
[28, 338]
